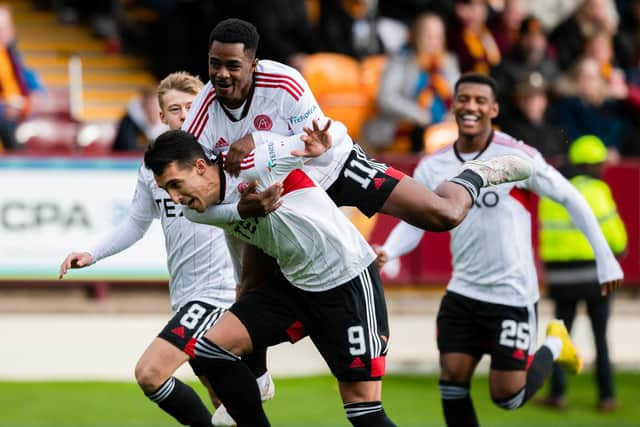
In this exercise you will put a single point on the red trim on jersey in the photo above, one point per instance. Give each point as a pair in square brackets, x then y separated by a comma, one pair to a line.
[501, 138]
[296, 332]
[203, 108]
[266, 80]
[248, 161]
[280, 86]
[200, 120]
[190, 348]
[525, 197]
[293, 81]
[378, 366]
[296, 180]
[395, 173]
[205, 120]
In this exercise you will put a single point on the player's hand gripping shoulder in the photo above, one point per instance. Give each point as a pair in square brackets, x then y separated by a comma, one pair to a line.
[238, 150]
[316, 140]
[74, 260]
[254, 204]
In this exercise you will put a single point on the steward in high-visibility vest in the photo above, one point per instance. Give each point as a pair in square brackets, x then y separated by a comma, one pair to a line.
[570, 268]
[567, 254]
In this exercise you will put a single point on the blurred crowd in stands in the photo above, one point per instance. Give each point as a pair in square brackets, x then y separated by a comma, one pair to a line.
[386, 68]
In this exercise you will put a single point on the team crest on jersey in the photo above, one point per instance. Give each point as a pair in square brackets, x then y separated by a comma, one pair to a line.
[262, 122]
[222, 143]
[243, 186]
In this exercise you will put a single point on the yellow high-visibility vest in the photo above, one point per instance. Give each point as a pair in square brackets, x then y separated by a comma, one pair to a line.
[561, 240]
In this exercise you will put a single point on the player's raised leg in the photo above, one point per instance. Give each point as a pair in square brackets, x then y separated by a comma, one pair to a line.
[448, 205]
[512, 389]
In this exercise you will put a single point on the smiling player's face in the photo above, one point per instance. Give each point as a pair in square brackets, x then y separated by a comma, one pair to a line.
[474, 106]
[231, 72]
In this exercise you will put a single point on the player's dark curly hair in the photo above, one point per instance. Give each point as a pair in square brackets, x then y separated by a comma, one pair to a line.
[235, 30]
[173, 146]
[478, 78]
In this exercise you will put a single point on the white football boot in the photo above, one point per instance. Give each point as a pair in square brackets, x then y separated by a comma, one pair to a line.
[501, 169]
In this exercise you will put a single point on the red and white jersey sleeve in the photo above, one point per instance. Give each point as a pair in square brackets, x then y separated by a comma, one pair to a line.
[281, 103]
[314, 243]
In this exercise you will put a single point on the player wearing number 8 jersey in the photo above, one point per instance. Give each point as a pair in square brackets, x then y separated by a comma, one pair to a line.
[328, 288]
[490, 302]
[201, 277]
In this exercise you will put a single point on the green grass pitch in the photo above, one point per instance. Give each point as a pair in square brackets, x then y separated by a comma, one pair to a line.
[411, 401]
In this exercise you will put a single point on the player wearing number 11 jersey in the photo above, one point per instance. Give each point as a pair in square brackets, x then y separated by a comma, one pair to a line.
[245, 95]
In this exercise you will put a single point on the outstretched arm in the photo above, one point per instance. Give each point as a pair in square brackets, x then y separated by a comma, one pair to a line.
[548, 182]
[403, 239]
[317, 140]
[252, 204]
[130, 230]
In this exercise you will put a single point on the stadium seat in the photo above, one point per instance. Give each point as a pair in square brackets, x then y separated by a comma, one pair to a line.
[331, 72]
[51, 102]
[439, 135]
[335, 80]
[47, 135]
[372, 68]
[96, 138]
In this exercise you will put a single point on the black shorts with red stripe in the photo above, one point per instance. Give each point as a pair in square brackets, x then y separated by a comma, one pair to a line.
[474, 327]
[364, 182]
[348, 324]
[192, 321]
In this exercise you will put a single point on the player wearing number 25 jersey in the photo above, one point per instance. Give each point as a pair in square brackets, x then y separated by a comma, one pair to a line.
[328, 287]
[489, 306]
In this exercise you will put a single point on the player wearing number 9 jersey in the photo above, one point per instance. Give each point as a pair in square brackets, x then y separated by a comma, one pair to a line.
[328, 288]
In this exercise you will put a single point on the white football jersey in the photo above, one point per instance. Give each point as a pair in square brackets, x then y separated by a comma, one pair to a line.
[492, 249]
[281, 103]
[199, 263]
[314, 243]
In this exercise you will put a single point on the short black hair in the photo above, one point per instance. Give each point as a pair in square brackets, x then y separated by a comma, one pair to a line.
[173, 146]
[478, 78]
[235, 30]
